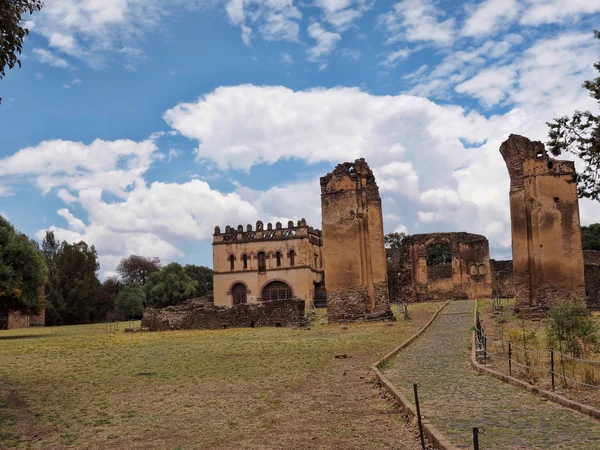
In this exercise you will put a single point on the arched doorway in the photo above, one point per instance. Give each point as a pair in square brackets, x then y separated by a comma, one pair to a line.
[239, 293]
[276, 290]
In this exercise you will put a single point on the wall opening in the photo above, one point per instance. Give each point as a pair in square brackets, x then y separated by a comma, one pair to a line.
[231, 262]
[439, 261]
[262, 262]
[245, 260]
[278, 259]
[239, 294]
[276, 290]
[292, 258]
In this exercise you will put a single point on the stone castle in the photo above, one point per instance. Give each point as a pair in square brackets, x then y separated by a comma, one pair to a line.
[347, 267]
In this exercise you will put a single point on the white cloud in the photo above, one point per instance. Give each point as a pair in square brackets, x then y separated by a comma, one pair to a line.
[394, 57]
[418, 21]
[74, 223]
[110, 165]
[286, 58]
[274, 19]
[342, 13]
[326, 41]
[489, 15]
[47, 57]
[491, 86]
[538, 12]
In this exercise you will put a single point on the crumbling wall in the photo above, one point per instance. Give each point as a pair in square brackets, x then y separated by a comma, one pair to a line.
[591, 260]
[546, 237]
[503, 280]
[19, 320]
[353, 244]
[204, 316]
[400, 280]
[467, 276]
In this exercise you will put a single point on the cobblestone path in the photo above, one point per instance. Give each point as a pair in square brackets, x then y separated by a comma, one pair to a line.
[455, 398]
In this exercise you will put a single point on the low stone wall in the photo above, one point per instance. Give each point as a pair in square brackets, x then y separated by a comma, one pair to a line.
[591, 260]
[18, 320]
[503, 279]
[200, 315]
[353, 304]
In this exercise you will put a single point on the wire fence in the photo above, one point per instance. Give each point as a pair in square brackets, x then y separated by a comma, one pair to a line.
[532, 363]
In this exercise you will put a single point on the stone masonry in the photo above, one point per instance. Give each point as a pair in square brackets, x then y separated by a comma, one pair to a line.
[546, 237]
[353, 244]
[199, 315]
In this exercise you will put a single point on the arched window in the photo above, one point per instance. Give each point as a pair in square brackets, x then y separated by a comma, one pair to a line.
[482, 270]
[292, 258]
[245, 260]
[238, 292]
[262, 262]
[231, 262]
[278, 257]
[276, 290]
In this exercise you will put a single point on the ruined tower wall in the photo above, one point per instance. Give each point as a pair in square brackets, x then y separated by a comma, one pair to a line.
[353, 243]
[592, 278]
[546, 237]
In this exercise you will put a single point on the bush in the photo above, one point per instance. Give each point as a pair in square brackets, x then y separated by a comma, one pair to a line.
[571, 329]
[129, 303]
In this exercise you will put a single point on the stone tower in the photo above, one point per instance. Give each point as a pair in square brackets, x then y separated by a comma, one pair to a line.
[353, 244]
[546, 238]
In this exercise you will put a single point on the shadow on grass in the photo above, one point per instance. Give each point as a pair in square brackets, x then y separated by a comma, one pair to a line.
[24, 336]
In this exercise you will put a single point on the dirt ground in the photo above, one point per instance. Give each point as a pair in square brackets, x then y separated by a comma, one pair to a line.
[266, 388]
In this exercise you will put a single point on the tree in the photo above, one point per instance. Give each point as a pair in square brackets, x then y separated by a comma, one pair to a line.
[438, 254]
[129, 303]
[394, 240]
[75, 293]
[203, 276]
[12, 31]
[22, 272]
[136, 269]
[590, 237]
[580, 135]
[170, 286]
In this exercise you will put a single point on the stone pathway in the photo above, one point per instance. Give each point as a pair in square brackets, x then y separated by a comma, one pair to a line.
[455, 398]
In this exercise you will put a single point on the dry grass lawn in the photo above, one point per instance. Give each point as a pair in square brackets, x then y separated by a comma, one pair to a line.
[262, 388]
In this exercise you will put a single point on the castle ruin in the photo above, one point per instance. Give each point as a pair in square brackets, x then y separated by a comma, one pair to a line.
[353, 244]
[546, 236]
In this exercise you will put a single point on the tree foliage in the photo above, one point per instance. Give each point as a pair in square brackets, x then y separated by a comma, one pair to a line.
[203, 277]
[590, 237]
[12, 32]
[129, 303]
[136, 269]
[438, 254]
[22, 271]
[75, 293]
[394, 240]
[170, 286]
[580, 135]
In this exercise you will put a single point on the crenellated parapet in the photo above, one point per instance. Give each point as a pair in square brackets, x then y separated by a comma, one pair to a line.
[298, 230]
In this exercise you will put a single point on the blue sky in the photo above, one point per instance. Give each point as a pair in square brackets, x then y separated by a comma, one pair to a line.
[139, 125]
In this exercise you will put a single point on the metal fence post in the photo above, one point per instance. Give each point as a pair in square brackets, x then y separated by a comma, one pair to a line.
[552, 367]
[476, 438]
[419, 416]
[484, 348]
[509, 358]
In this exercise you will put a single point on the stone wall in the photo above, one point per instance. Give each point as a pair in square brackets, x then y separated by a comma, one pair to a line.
[18, 320]
[400, 274]
[204, 316]
[503, 280]
[592, 278]
[546, 236]
[353, 243]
